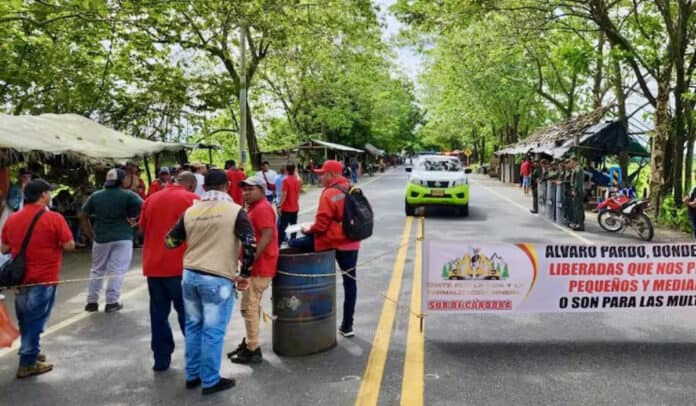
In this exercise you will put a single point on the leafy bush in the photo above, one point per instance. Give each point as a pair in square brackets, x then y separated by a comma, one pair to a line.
[676, 218]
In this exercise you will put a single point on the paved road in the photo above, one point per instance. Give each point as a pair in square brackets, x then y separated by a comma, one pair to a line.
[601, 358]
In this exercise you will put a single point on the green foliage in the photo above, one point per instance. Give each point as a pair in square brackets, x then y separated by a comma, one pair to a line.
[675, 217]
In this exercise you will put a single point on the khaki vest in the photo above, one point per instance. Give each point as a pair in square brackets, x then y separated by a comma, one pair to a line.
[211, 244]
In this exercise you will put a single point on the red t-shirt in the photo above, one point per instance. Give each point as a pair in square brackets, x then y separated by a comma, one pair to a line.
[526, 168]
[234, 176]
[291, 187]
[156, 186]
[44, 253]
[263, 216]
[159, 214]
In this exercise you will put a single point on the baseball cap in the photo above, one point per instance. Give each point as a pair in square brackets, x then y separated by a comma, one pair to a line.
[114, 177]
[331, 166]
[34, 188]
[250, 182]
[215, 177]
[164, 169]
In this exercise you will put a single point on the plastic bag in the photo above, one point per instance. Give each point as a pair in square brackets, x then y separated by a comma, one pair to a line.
[8, 332]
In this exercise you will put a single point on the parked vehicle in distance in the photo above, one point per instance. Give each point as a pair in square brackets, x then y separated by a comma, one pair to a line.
[437, 180]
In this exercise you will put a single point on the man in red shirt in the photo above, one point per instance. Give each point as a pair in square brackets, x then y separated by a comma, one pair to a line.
[263, 219]
[44, 254]
[163, 180]
[234, 175]
[526, 173]
[289, 204]
[163, 267]
[327, 234]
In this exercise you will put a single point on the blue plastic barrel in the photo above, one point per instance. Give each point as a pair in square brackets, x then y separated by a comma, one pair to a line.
[304, 303]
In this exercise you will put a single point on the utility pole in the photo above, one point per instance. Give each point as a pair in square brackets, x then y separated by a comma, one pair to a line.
[242, 98]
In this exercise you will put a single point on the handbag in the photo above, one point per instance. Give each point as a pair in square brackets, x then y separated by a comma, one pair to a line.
[12, 272]
[269, 185]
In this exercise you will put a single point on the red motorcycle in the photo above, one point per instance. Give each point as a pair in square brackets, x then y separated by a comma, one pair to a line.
[619, 212]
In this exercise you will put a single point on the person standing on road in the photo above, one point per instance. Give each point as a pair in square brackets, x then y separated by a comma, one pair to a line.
[534, 179]
[289, 205]
[263, 219]
[163, 180]
[199, 171]
[327, 234]
[267, 177]
[115, 211]
[234, 176]
[214, 229]
[163, 267]
[577, 194]
[526, 173]
[43, 255]
[282, 174]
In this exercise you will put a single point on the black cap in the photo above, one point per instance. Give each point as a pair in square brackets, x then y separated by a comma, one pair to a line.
[34, 188]
[215, 177]
[114, 177]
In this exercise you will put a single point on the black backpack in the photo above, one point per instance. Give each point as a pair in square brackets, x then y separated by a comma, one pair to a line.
[358, 218]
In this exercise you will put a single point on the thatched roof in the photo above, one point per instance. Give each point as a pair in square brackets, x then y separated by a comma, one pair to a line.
[547, 139]
[71, 137]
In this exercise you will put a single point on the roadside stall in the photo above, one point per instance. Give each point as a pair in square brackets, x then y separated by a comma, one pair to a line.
[586, 137]
[69, 150]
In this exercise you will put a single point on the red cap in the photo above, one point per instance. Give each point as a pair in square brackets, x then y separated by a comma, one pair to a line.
[331, 166]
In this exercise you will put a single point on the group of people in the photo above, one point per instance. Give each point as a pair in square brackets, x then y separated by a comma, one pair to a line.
[198, 248]
[566, 173]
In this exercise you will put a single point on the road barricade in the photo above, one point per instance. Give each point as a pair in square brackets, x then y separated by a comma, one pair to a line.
[469, 277]
[304, 303]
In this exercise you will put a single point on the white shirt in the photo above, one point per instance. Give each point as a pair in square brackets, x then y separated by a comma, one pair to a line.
[270, 176]
[200, 179]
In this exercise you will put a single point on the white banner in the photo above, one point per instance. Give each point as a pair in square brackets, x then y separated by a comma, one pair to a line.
[473, 278]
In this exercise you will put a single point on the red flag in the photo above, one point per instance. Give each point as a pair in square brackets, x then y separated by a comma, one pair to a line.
[8, 332]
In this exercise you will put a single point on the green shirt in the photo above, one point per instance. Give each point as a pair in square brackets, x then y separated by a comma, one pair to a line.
[111, 209]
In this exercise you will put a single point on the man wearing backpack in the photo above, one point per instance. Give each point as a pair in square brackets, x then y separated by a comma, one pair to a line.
[327, 233]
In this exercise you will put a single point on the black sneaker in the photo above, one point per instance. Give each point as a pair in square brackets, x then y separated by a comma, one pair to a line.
[246, 356]
[223, 384]
[193, 383]
[240, 348]
[346, 332]
[92, 307]
[113, 307]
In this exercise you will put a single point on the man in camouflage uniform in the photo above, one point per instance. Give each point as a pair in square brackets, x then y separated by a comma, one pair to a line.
[537, 173]
[577, 195]
[565, 176]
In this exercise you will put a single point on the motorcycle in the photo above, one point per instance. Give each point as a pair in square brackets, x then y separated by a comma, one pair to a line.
[620, 212]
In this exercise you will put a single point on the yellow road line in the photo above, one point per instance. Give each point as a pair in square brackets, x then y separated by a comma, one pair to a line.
[69, 321]
[412, 386]
[372, 379]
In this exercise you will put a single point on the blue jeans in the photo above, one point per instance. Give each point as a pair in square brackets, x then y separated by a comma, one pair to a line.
[208, 302]
[347, 260]
[33, 306]
[164, 292]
